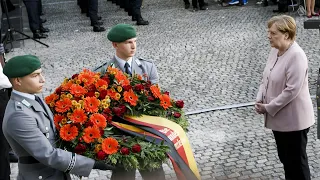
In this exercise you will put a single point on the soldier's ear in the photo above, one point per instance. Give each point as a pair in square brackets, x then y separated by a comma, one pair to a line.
[115, 45]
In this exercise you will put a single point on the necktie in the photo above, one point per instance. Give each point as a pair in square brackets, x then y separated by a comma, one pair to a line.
[127, 69]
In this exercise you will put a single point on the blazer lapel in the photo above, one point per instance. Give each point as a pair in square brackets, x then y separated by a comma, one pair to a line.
[49, 114]
[136, 66]
[114, 63]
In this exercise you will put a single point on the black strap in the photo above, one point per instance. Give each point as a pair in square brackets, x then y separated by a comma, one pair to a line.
[28, 160]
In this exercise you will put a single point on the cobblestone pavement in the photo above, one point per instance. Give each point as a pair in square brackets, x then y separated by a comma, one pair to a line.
[208, 58]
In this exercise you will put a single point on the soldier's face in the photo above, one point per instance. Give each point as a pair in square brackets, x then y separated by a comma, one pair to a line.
[126, 49]
[32, 83]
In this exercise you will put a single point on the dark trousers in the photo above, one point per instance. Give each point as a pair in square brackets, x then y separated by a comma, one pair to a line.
[186, 1]
[93, 10]
[121, 174]
[84, 5]
[292, 153]
[4, 146]
[195, 3]
[33, 14]
[40, 7]
[136, 8]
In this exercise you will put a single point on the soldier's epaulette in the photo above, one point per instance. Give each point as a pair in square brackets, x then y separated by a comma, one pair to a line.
[148, 60]
[18, 106]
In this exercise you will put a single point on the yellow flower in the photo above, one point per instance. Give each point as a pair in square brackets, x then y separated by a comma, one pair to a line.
[118, 96]
[119, 88]
[78, 81]
[100, 140]
[104, 101]
[69, 96]
[98, 147]
[78, 106]
[62, 96]
[64, 121]
[81, 102]
[97, 94]
[74, 102]
[69, 114]
[52, 104]
[105, 106]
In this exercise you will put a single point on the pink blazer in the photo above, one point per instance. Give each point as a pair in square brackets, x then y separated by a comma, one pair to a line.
[285, 91]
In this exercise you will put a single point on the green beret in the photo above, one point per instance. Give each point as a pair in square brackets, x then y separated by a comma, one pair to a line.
[20, 66]
[121, 33]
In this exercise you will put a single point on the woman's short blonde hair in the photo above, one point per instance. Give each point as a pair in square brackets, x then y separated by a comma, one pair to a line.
[284, 24]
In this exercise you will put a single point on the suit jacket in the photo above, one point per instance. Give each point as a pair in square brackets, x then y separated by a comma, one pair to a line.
[139, 66]
[285, 91]
[30, 131]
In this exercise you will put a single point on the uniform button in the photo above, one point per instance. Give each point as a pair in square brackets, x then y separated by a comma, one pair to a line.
[40, 177]
[47, 128]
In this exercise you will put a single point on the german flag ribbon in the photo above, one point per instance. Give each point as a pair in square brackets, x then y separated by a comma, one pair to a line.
[158, 129]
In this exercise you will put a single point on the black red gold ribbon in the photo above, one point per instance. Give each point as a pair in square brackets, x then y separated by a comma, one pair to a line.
[158, 129]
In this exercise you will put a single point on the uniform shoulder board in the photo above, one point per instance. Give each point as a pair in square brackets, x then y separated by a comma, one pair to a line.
[148, 60]
[18, 106]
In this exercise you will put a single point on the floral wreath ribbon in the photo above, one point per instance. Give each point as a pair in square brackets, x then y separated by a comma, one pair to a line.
[158, 129]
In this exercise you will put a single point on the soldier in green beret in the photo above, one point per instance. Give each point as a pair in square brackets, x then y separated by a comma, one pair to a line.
[124, 41]
[29, 127]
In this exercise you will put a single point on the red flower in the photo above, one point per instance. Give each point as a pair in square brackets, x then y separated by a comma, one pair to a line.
[106, 79]
[150, 98]
[125, 151]
[101, 155]
[80, 149]
[138, 87]
[103, 94]
[91, 87]
[123, 108]
[179, 104]
[74, 76]
[176, 114]
[58, 90]
[117, 111]
[136, 148]
[91, 94]
[167, 93]
[127, 88]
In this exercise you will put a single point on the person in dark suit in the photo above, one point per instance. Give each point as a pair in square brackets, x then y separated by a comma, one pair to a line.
[136, 12]
[28, 126]
[202, 5]
[94, 18]
[4, 146]
[35, 22]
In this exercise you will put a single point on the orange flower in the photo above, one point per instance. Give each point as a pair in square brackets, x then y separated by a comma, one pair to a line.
[111, 93]
[68, 132]
[122, 79]
[101, 84]
[91, 104]
[139, 77]
[57, 119]
[63, 105]
[67, 85]
[165, 101]
[110, 145]
[77, 90]
[87, 77]
[78, 116]
[90, 134]
[130, 97]
[155, 91]
[112, 70]
[51, 98]
[98, 120]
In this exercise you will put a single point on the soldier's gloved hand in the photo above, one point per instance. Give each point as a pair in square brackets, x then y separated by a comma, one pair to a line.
[103, 166]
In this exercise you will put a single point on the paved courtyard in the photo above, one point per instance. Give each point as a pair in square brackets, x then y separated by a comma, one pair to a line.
[208, 58]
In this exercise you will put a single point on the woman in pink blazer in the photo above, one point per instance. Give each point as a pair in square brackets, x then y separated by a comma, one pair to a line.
[284, 97]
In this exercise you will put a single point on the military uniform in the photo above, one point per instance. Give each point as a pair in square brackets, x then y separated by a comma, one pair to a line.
[29, 128]
[138, 66]
[121, 33]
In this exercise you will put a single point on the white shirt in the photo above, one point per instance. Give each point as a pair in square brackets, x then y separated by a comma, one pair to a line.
[4, 81]
[122, 62]
[30, 96]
